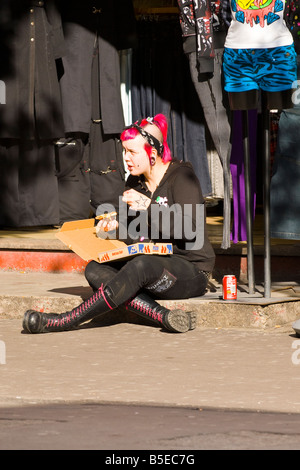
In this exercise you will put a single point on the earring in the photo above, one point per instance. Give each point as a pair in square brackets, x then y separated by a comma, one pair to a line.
[152, 161]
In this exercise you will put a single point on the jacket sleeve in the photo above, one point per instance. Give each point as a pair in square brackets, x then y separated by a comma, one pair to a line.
[52, 8]
[197, 32]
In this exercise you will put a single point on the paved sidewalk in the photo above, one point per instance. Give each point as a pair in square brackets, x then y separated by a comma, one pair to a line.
[50, 292]
[125, 363]
[243, 355]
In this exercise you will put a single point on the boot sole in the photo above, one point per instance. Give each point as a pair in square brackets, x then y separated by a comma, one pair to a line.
[36, 328]
[26, 323]
[180, 321]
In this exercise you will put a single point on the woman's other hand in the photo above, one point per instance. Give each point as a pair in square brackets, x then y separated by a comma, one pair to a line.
[136, 200]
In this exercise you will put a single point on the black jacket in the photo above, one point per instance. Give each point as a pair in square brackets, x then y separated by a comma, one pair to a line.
[179, 190]
[203, 30]
[32, 40]
[108, 26]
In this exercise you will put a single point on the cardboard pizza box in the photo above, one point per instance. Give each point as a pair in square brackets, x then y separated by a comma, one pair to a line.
[80, 237]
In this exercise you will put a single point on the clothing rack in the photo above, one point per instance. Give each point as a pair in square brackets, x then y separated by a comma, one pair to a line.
[157, 11]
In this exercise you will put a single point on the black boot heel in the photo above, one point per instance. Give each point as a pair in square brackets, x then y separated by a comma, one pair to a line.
[180, 321]
[177, 321]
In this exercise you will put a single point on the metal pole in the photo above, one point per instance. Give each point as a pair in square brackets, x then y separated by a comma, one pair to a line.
[249, 209]
[266, 192]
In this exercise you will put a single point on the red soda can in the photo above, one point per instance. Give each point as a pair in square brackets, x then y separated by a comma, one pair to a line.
[229, 287]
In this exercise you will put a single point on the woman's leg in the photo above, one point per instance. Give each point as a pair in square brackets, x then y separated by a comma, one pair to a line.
[164, 277]
[174, 278]
[140, 272]
[100, 274]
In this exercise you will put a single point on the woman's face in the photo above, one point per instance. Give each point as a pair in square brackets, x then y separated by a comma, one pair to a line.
[135, 156]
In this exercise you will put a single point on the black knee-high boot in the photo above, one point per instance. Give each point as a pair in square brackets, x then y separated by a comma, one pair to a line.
[177, 320]
[99, 303]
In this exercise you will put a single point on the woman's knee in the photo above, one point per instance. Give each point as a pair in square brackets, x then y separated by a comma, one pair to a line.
[99, 274]
[91, 271]
[143, 263]
[147, 268]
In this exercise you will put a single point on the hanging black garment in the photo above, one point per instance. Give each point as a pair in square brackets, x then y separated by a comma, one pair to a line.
[111, 25]
[90, 85]
[291, 16]
[161, 83]
[107, 173]
[35, 40]
[72, 169]
[284, 189]
[32, 116]
[29, 194]
[204, 48]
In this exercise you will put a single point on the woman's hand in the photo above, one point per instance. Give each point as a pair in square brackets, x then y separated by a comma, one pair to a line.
[105, 227]
[136, 200]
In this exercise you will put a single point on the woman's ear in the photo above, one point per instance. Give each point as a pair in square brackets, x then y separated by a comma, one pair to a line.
[153, 157]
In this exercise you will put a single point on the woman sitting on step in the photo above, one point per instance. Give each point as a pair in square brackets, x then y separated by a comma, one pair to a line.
[165, 195]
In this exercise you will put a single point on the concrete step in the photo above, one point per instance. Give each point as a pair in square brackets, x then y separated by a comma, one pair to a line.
[38, 255]
[60, 292]
[50, 255]
[37, 271]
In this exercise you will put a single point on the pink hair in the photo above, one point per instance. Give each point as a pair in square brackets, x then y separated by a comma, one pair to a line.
[159, 121]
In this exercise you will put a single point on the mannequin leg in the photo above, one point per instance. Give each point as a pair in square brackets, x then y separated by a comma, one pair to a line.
[270, 100]
[244, 101]
[266, 193]
[278, 99]
[248, 197]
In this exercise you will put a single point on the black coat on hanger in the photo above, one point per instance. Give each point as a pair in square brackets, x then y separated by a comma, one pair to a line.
[31, 41]
[94, 29]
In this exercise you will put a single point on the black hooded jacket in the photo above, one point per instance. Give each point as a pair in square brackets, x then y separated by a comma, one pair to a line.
[177, 214]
